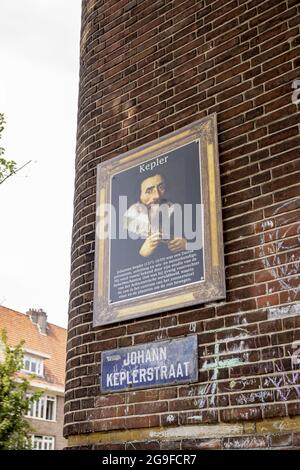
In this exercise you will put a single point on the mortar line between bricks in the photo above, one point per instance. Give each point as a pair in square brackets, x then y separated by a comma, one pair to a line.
[269, 158]
[220, 381]
[246, 363]
[191, 410]
[270, 134]
[252, 175]
[268, 230]
[273, 242]
[241, 426]
[263, 105]
[270, 281]
[225, 353]
[196, 398]
[191, 310]
[226, 341]
[227, 254]
[224, 153]
[217, 331]
[123, 8]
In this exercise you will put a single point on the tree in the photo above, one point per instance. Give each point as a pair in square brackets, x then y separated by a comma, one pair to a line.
[14, 399]
[7, 167]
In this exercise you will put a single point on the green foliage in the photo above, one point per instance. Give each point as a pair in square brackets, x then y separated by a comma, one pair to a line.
[7, 167]
[14, 398]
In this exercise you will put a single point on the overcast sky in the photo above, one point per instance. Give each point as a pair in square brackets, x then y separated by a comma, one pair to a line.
[39, 61]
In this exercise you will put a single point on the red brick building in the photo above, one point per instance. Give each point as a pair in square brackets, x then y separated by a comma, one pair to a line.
[45, 357]
[149, 68]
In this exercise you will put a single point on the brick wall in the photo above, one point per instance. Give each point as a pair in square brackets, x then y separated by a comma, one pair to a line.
[148, 68]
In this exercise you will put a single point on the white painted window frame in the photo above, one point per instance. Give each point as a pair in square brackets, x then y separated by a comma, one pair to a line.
[44, 440]
[38, 409]
[39, 365]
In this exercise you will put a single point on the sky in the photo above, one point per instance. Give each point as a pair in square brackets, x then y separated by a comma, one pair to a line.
[39, 71]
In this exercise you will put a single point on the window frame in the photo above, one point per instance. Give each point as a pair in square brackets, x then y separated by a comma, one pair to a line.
[45, 441]
[33, 360]
[38, 409]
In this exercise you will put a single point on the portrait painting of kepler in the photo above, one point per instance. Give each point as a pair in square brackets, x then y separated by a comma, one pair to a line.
[158, 226]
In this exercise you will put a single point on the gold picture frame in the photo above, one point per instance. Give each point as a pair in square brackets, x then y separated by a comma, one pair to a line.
[212, 286]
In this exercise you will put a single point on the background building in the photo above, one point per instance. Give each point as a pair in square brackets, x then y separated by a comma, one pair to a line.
[45, 357]
[148, 68]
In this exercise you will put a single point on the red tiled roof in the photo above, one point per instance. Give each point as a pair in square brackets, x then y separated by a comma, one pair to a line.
[20, 327]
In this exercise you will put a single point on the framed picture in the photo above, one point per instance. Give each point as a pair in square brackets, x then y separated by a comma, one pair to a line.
[159, 243]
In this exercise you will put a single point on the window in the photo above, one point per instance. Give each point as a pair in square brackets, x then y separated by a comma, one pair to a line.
[33, 364]
[44, 408]
[42, 442]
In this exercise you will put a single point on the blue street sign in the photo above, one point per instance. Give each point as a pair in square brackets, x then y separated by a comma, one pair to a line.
[150, 365]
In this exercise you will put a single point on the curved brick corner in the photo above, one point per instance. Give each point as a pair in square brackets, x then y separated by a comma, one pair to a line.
[149, 67]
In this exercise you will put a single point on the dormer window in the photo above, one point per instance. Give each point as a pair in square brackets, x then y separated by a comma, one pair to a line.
[33, 365]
